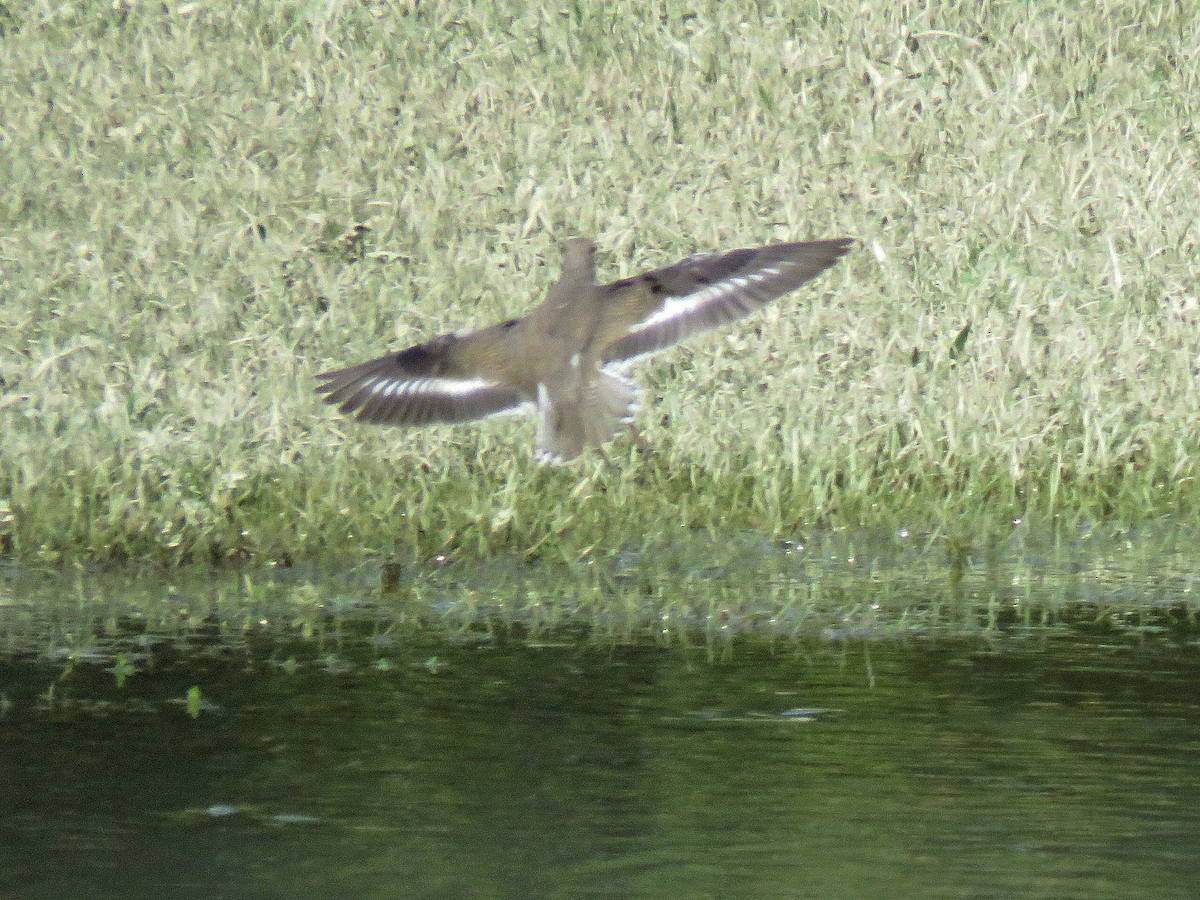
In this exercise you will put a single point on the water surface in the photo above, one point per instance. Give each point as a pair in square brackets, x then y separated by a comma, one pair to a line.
[374, 750]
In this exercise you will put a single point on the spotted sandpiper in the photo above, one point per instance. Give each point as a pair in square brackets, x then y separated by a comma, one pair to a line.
[565, 356]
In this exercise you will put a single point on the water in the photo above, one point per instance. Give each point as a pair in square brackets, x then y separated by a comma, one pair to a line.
[374, 750]
[1020, 766]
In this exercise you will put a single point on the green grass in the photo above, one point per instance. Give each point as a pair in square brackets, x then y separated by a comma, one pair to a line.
[181, 178]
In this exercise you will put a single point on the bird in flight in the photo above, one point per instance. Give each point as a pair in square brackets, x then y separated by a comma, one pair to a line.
[565, 357]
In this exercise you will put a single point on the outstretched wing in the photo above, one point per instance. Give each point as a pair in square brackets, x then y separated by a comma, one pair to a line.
[451, 378]
[667, 305]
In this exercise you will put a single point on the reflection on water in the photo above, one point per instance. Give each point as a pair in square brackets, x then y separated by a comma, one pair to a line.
[926, 746]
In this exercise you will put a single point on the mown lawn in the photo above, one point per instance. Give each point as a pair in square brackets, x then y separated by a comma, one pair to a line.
[205, 204]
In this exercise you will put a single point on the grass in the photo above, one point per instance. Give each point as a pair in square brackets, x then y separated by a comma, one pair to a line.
[181, 251]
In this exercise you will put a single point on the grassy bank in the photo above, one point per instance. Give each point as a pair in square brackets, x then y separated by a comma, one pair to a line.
[1017, 337]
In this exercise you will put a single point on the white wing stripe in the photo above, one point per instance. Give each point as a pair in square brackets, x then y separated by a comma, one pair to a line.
[679, 307]
[442, 387]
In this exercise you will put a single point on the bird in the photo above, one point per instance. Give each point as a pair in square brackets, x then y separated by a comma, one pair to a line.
[567, 357]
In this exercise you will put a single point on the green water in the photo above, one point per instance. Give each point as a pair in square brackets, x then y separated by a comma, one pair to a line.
[366, 748]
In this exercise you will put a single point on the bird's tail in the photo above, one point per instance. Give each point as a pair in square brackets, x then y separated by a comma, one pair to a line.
[568, 421]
